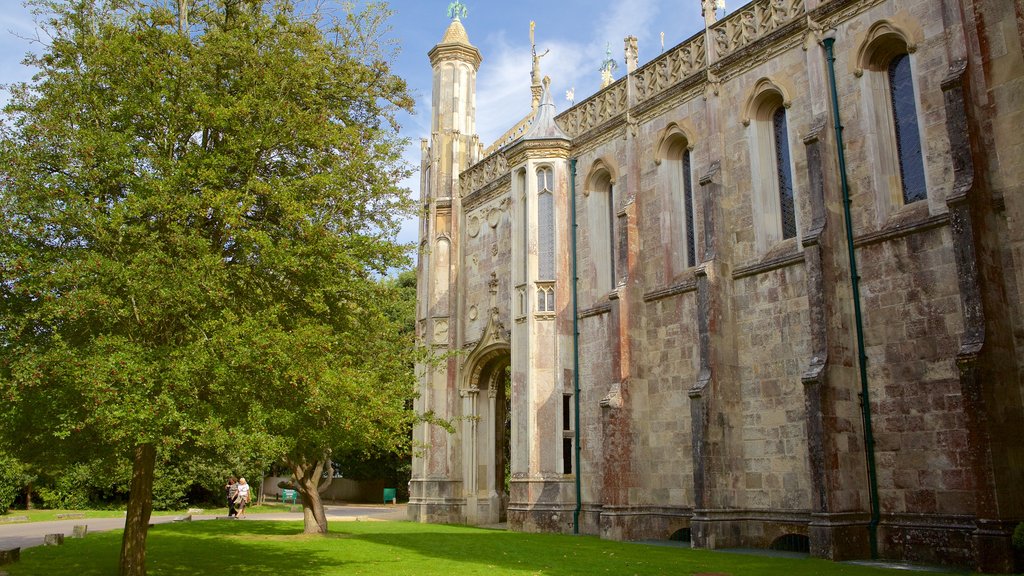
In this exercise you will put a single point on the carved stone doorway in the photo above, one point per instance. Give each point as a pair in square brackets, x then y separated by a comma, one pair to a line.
[493, 438]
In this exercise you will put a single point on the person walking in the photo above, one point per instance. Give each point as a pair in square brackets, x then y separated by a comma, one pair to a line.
[243, 497]
[231, 492]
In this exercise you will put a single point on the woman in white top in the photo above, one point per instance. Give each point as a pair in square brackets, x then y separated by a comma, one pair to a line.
[243, 497]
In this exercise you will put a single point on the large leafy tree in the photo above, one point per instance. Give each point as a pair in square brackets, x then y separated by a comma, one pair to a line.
[197, 197]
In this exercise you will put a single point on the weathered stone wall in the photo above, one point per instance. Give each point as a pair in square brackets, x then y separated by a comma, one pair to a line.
[488, 242]
[660, 404]
[772, 339]
[726, 395]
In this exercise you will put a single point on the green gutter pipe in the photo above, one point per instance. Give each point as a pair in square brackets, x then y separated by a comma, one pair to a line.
[575, 348]
[865, 403]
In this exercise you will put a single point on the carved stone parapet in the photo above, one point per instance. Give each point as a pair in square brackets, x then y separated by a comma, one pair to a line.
[753, 22]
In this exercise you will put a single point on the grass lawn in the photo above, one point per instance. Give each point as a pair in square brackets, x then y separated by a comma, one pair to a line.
[39, 515]
[216, 548]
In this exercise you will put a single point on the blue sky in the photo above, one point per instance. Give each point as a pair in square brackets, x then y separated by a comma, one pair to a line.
[575, 31]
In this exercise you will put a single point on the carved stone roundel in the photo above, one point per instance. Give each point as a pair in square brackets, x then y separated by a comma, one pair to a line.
[474, 226]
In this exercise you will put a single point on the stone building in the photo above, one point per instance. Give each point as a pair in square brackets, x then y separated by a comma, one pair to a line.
[717, 373]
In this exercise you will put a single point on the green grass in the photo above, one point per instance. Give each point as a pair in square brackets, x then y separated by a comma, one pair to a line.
[216, 548]
[39, 515]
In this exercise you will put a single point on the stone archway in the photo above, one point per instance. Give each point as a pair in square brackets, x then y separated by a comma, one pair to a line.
[486, 426]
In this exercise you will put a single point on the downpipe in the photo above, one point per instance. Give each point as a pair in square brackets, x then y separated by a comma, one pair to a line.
[865, 402]
[575, 349]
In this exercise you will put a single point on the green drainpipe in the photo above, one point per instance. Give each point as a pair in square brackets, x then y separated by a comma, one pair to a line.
[575, 349]
[865, 403]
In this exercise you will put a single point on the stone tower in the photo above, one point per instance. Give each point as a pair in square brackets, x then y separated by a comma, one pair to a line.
[452, 147]
[542, 453]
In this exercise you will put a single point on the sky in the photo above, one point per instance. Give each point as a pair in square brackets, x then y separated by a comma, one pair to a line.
[575, 32]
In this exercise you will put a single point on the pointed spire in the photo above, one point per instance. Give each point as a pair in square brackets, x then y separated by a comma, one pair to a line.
[543, 126]
[455, 43]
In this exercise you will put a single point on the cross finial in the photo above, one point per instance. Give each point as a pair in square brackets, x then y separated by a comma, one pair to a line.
[457, 10]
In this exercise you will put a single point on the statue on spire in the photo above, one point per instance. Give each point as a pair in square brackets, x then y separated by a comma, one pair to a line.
[457, 10]
[536, 74]
[535, 79]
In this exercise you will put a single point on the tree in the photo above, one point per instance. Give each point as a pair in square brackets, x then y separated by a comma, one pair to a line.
[394, 463]
[195, 204]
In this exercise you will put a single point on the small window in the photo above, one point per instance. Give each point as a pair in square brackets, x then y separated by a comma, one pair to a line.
[567, 455]
[908, 139]
[566, 412]
[546, 298]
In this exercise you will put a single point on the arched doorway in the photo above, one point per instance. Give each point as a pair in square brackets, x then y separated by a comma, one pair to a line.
[492, 437]
[486, 393]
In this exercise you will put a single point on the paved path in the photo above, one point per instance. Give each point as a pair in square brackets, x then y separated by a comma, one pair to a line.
[28, 534]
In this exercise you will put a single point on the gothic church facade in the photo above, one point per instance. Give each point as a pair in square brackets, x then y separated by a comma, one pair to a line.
[766, 290]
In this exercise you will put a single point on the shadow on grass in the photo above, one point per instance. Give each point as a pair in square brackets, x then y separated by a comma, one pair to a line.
[565, 555]
[213, 547]
[257, 548]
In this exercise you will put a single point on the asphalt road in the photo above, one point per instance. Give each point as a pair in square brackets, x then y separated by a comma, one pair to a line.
[28, 534]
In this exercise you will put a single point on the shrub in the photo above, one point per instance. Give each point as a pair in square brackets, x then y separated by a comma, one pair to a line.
[12, 480]
[69, 490]
[1018, 536]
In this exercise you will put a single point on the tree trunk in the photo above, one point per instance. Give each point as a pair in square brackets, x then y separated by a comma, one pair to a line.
[307, 480]
[140, 506]
[28, 496]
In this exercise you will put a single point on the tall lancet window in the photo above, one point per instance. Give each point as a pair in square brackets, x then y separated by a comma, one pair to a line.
[784, 173]
[691, 242]
[545, 224]
[521, 236]
[908, 139]
[545, 240]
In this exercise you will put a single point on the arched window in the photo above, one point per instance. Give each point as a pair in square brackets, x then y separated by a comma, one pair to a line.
[676, 163]
[521, 254]
[774, 195]
[545, 224]
[522, 229]
[908, 138]
[893, 143]
[601, 216]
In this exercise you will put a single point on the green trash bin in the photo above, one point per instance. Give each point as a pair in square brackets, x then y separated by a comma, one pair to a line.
[391, 494]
